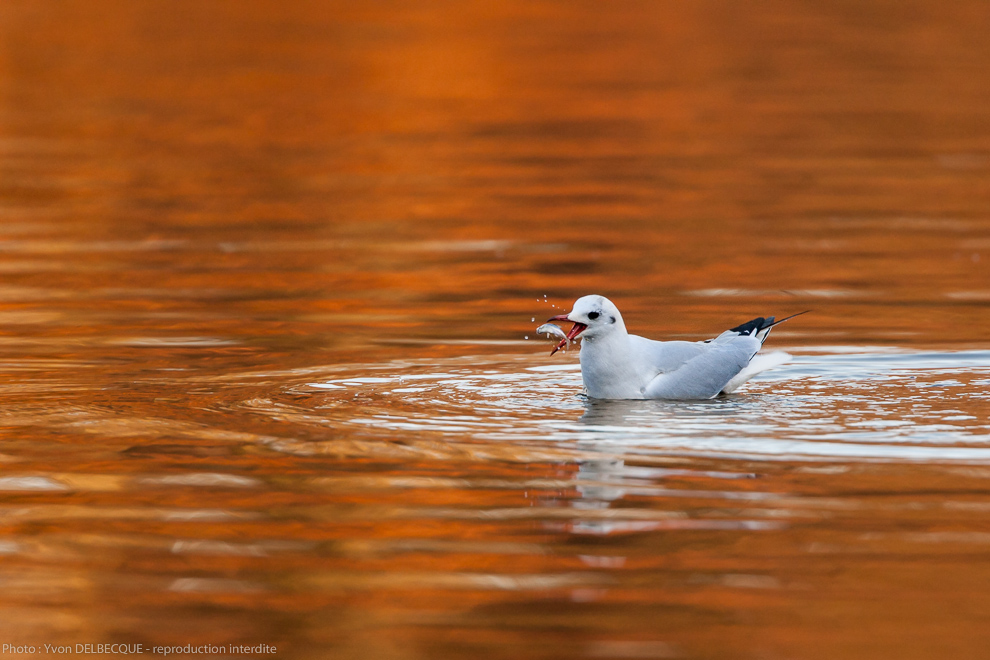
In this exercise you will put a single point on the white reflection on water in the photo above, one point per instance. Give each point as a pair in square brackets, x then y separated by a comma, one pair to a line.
[886, 404]
[30, 484]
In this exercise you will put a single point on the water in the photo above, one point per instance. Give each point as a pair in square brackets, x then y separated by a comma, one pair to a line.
[267, 278]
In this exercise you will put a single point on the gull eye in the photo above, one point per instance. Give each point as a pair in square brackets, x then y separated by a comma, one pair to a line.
[593, 315]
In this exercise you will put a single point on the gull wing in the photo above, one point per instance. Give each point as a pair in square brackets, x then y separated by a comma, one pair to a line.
[708, 371]
[664, 356]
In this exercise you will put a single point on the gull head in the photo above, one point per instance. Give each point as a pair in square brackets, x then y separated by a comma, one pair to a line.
[592, 316]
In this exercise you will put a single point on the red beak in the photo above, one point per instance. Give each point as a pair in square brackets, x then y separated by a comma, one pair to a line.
[575, 331]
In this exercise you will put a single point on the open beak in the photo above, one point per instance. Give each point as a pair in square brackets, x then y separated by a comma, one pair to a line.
[575, 331]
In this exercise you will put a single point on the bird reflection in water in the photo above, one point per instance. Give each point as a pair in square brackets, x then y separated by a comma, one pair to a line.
[606, 415]
[601, 483]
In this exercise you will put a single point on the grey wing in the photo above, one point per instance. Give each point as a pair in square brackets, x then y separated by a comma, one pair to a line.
[704, 375]
[666, 356]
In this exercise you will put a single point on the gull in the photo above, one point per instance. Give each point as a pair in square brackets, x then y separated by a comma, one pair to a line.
[618, 365]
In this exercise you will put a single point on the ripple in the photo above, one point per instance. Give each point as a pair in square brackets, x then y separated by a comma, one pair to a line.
[174, 342]
[204, 479]
[30, 484]
[213, 585]
[828, 403]
[224, 548]
[763, 293]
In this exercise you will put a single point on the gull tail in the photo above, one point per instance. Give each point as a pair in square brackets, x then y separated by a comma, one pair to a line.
[758, 364]
[761, 327]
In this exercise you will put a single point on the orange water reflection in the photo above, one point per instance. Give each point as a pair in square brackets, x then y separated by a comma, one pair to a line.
[207, 208]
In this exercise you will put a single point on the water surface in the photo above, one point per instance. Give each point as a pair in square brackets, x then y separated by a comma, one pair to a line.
[270, 285]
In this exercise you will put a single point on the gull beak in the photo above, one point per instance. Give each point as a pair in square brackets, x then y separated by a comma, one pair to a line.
[575, 331]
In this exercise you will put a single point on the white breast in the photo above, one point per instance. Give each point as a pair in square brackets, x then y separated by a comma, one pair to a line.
[612, 370]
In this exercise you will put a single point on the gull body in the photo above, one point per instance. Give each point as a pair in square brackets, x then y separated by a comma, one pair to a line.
[618, 365]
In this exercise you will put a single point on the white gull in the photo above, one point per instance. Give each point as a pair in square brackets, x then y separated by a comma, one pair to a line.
[618, 365]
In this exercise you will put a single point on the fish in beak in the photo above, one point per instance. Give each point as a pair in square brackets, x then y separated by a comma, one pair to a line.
[575, 331]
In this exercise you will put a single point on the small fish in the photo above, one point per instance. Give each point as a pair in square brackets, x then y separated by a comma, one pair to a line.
[554, 332]
[551, 330]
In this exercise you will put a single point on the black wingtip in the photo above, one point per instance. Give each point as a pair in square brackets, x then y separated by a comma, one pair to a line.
[752, 327]
[756, 326]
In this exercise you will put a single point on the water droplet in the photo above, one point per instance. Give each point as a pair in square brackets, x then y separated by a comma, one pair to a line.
[526, 337]
[533, 320]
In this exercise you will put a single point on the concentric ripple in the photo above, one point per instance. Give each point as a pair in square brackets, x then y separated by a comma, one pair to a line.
[827, 403]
